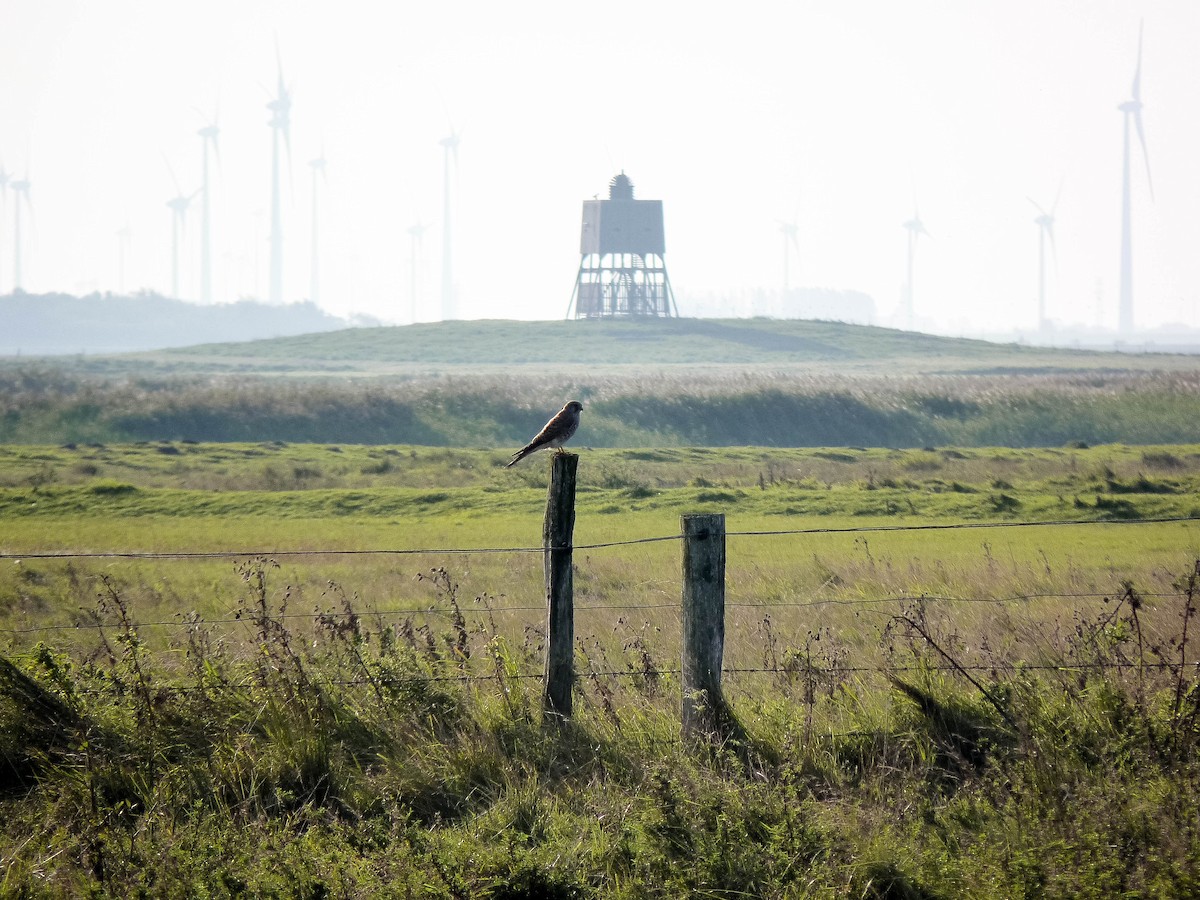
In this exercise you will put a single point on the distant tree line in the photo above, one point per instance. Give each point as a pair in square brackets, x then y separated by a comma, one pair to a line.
[39, 324]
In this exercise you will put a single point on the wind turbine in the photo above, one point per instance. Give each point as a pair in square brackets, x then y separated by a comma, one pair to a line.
[449, 149]
[280, 124]
[179, 207]
[318, 169]
[1045, 224]
[791, 242]
[124, 237]
[915, 228]
[4, 179]
[20, 189]
[415, 233]
[208, 135]
[1131, 109]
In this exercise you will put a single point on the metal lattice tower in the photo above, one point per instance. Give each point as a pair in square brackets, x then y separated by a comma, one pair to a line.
[621, 269]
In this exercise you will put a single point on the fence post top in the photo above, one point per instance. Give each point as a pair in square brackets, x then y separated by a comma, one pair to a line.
[696, 523]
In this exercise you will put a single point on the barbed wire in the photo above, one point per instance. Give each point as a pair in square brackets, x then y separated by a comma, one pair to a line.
[248, 619]
[952, 526]
[447, 551]
[254, 554]
[320, 614]
[942, 598]
[588, 675]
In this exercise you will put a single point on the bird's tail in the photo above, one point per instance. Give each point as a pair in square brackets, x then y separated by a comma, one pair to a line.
[517, 457]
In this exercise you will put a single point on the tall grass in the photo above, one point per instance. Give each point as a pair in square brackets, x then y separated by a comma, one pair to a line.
[964, 713]
[53, 406]
[333, 752]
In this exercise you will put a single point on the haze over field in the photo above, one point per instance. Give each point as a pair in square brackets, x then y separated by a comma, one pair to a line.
[835, 124]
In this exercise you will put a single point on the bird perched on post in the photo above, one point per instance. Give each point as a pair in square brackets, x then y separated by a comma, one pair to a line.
[554, 433]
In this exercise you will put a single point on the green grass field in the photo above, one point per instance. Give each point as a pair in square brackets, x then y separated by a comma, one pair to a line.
[675, 383]
[286, 721]
[276, 499]
[500, 346]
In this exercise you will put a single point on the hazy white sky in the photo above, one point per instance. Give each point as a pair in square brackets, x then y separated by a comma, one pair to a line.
[842, 114]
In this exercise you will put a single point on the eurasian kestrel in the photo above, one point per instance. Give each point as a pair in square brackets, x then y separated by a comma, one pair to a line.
[555, 433]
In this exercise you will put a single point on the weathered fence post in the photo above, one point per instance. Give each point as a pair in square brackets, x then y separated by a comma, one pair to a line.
[705, 712]
[557, 536]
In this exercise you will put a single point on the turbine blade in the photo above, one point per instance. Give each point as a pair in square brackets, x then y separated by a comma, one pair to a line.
[171, 172]
[1137, 121]
[282, 89]
[1137, 73]
[281, 108]
[319, 163]
[287, 144]
[216, 130]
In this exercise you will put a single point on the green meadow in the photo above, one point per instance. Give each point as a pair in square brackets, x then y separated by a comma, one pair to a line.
[359, 516]
[273, 618]
[266, 669]
[302, 502]
[672, 383]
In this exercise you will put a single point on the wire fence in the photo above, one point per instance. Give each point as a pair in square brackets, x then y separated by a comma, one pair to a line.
[385, 613]
[454, 551]
[824, 671]
[397, 612]
[828, 669]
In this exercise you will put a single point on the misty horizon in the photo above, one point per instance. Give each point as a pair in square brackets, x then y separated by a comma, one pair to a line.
[791, 149]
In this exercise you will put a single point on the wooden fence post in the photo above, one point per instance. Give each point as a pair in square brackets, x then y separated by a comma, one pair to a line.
[705, 712]
[557, 537]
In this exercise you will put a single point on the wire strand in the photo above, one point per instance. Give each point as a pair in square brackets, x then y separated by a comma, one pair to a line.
[251, 554]
[602, 545]
[951, 526]
[464, 678]
[579, 609]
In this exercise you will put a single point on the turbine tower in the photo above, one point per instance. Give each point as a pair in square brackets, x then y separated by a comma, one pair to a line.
[20, 189]
[789, 230]
[415, 233]
[280, 124]
[318, 173]
[915, 228]
[124, 237]
[1045, 224]
[4, 179]
[1131, 109]
[449, 149]
[179, 207]
[208, 135]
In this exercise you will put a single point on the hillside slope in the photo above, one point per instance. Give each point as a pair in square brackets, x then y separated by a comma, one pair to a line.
[654, 383]
[776, 344]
